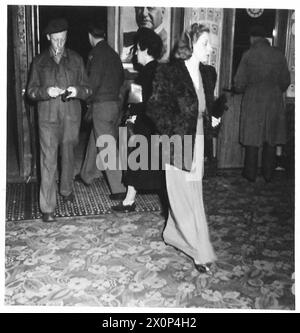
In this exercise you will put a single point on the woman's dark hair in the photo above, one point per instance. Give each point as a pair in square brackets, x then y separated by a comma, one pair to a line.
[183, 49]
[148, 39]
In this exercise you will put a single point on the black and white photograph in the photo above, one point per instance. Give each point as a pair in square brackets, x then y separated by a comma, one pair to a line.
[149, 157]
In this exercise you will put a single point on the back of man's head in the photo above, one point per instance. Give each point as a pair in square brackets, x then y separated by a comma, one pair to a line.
[257, 31]
[97, 30]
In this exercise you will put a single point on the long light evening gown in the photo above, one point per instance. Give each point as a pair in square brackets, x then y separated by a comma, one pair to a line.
[186, 227]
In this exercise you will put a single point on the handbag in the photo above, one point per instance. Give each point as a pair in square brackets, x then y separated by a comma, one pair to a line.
[219, 106]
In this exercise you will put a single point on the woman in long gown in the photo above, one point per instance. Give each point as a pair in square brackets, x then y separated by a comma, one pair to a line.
[177, 106]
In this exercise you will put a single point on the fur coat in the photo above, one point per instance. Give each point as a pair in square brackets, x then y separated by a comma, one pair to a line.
[173, 106]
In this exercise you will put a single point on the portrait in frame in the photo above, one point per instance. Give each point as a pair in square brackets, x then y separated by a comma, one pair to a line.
[132, 18]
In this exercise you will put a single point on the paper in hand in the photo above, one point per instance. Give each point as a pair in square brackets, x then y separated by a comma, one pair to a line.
[135, 93]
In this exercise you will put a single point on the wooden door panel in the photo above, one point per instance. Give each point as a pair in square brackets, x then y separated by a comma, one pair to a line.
[230, 153]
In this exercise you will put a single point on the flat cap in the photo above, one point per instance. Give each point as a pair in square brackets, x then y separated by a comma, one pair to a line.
[56, 25]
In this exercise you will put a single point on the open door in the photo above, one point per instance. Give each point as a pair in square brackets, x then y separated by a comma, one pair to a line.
[25, 41]
[235, 42]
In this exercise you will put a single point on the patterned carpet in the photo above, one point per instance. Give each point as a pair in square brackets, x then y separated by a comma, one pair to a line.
[120, 260]
[22, 201]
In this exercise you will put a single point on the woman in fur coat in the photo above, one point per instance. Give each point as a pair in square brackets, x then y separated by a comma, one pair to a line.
[177, 107]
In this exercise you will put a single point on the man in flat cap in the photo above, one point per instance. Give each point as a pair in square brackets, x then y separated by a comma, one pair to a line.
[57, 82]
[262, 77]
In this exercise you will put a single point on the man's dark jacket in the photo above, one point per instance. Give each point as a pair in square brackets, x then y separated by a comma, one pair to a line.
[105, 72]
[44, 75]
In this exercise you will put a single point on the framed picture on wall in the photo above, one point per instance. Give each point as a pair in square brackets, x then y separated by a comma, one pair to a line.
[132, 18]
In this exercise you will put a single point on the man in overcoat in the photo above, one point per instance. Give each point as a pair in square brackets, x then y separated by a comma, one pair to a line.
[55, 73]
[262, 77]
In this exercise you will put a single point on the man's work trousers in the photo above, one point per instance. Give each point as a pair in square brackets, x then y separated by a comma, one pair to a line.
[105, 121]
[267, 163]
[52, 136]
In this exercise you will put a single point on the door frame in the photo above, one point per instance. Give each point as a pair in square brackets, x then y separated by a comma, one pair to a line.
[230, 152]
[24, 37]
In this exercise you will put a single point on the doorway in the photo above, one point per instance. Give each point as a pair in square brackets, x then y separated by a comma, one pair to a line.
[12, 147]
[230, 153]
[78, 18]
[243, 22]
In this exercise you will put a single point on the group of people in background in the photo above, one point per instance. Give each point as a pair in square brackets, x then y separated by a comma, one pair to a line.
[176, 97]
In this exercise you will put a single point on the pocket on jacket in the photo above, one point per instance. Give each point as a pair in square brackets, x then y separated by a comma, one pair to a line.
[72, 75]
[46, 76]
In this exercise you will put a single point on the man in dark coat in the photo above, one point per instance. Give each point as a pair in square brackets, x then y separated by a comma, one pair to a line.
[56, 72]
[106, 76]
[262, 76]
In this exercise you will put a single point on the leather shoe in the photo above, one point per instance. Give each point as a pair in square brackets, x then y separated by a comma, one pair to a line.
[203, 268]
[117, 196]
[78, 179]
[251, 180]
[48, 217]
[69, 198]
[267, 179]
[124, 208]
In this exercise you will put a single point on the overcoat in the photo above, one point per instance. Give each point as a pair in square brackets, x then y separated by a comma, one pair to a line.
[262, 76]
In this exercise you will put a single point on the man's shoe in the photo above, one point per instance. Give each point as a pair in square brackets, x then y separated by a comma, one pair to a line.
[280, 163]
[267, 179]
[69, 198]
[124, 208]
[250, 179]
[48, 217]
[78, 179]
[117, 196]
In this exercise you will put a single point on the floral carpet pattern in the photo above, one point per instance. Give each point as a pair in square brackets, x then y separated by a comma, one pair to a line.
[120, 260]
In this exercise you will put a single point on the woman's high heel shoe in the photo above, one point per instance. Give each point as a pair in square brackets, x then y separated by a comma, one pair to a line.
[202, 268]
[124, 208]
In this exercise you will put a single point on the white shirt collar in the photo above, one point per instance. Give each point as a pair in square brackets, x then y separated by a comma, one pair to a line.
[159, 29]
